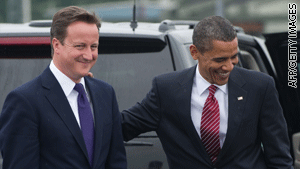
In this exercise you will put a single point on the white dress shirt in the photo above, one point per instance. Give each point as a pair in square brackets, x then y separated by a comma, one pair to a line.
[199, 94]
[67, 86]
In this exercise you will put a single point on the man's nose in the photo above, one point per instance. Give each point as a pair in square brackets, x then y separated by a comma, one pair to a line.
[88, 54]
[228, 66]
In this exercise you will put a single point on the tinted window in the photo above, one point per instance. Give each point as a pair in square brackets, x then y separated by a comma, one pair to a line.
[113, 45]
[25, 51]
[131, 74]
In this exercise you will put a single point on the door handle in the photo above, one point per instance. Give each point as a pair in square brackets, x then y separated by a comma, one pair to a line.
[138, 143]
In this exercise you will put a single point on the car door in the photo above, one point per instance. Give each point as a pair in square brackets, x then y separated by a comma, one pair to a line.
[284, 49]
[276, 55]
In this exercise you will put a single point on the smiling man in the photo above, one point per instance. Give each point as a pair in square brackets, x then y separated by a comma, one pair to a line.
[55, 121]
[216, 64]
[214, 115]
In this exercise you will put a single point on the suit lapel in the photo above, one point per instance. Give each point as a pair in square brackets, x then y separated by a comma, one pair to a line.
[99, 116]
[58, 100]
[237, 98]
[235, 111]
[184, 112]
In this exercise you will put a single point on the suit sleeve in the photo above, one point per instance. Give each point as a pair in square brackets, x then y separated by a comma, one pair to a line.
[117, 156]
[19, 141]
[142, 117]
[274, 132]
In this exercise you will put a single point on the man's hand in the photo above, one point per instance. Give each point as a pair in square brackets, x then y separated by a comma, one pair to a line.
[90, 74]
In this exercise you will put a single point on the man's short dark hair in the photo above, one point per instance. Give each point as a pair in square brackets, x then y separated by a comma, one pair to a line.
[212, 28]
[66, 16]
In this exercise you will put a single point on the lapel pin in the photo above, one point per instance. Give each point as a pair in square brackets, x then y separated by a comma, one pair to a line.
[240, 98]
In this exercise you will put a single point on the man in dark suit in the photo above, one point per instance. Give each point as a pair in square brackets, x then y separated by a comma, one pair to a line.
[55, 121]
[214, 115]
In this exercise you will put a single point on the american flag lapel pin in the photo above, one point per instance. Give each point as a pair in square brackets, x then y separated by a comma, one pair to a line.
[240, 98]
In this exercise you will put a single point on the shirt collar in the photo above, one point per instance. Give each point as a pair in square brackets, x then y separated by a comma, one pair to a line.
[203, 84]
[65, 82]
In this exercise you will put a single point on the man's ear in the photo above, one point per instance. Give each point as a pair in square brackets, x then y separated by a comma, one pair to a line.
[194, 52]
[55, 45]
[90, 74]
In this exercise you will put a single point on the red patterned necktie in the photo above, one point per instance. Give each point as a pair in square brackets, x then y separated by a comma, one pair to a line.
[210, 124]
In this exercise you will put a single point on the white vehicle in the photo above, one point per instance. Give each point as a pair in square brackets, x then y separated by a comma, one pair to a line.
[129, 59]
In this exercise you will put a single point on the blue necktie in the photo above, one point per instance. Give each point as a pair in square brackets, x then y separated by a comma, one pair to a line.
[86, 120]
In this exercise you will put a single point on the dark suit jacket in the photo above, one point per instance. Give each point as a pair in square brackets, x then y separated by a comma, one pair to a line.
[38, 128]
[256, 119]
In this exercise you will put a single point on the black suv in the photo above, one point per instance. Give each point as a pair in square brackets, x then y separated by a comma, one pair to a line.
[129, 59]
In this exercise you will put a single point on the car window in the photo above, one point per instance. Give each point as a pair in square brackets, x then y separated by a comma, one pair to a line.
[21, 61]
[131, 74]
[15, 72]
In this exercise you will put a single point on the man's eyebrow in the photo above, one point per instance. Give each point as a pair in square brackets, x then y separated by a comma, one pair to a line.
[83, 43]
[236, 54]
[78, 43]
[222, 58]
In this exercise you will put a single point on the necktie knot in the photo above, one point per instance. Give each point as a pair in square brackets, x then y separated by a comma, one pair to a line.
[212, 89]
[82, 98]
[79, 88]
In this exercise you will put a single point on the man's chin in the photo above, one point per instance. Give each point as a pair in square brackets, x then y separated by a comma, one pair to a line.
[221, 82]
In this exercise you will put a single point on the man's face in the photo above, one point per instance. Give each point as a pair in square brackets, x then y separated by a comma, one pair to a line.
[215, 65]
[80, 50]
